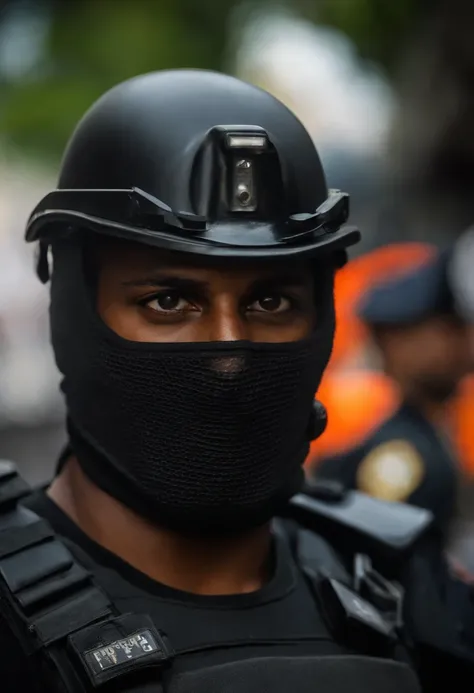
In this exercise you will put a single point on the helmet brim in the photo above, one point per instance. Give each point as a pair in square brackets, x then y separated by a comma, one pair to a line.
[218, 242]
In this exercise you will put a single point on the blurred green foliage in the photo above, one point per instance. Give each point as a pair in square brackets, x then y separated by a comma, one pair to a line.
[90, 45]
[379, 28]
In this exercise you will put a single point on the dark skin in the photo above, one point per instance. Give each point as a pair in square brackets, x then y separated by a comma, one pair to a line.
[428, 361]
[149, 295]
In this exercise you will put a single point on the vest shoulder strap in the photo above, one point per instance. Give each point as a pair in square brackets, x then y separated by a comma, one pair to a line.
[355, 522]
[65, 625]
[362, 609]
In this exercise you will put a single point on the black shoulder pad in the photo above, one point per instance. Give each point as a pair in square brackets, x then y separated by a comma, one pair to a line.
[356, 522]
[54, 612]
[319, 556]
[12, 487]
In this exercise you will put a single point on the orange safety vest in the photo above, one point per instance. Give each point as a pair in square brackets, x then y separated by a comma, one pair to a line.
[359, 400]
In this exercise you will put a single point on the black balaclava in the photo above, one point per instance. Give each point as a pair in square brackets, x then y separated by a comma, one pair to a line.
[196, 437]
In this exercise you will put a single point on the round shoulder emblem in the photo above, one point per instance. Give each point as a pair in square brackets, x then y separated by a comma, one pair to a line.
[391, 471]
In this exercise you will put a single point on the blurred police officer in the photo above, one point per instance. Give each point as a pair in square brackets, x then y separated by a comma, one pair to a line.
[191, 247]
[461, 279]
[461, 276]
[423, 343]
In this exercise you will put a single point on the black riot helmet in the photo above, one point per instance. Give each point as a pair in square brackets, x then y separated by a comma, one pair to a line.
[198, 162]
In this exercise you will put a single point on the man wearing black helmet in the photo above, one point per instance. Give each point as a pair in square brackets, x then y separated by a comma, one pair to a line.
[191, 246]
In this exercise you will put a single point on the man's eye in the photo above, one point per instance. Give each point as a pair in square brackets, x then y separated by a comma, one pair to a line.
[168, 302]
[273, 303]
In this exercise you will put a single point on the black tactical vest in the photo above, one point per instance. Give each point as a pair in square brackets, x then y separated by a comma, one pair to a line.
[71, 637]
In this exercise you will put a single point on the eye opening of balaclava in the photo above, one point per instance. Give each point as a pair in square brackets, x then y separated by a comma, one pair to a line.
[196, 437]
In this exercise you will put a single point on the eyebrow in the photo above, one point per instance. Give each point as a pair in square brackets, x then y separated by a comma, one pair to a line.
[287, 279]
[172, 281]
[168, 281]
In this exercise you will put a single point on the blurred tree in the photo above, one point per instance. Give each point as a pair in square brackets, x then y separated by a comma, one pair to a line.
[89, 45]
[379, 28]
[427, 49]
[432, 152]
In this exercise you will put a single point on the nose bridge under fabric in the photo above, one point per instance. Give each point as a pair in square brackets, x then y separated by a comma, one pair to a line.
[228, 367]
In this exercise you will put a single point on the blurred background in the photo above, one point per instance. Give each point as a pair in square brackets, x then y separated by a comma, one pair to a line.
[385, 88]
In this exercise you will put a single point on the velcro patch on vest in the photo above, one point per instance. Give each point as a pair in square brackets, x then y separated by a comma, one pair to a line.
[334, 674]
[129, 649]
[110, 650]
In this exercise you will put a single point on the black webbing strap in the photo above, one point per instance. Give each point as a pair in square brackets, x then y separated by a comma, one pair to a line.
[352, 615]
[65, 624]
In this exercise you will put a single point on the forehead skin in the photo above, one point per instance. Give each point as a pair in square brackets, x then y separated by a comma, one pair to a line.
[220, 292]
[132, 256]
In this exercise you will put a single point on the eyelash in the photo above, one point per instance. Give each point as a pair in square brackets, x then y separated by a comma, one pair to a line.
[295, 302]
[143, 302]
